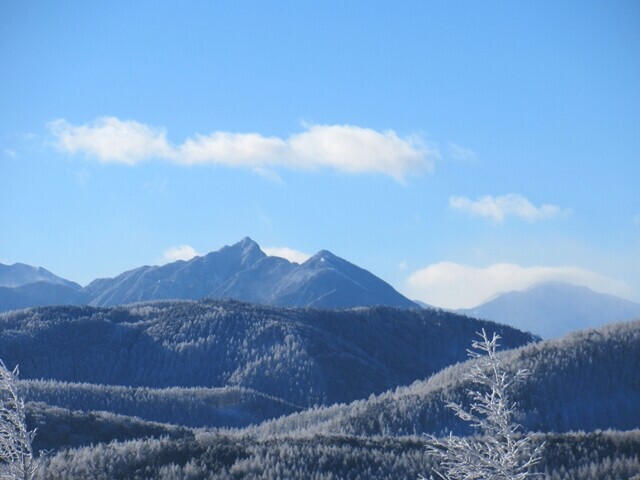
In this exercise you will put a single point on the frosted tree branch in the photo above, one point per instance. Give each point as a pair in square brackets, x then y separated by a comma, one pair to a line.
[17, 460]
[500, 452]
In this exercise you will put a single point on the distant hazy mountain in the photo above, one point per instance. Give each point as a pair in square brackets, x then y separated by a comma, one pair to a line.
[552, 309]
[20, 274]
[244, 272]
[39, 294]
[302, 356]
[422, 304]
[23, 286]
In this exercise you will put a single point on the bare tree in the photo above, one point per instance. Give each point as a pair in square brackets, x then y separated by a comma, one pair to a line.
[501, 452]
[17, 460]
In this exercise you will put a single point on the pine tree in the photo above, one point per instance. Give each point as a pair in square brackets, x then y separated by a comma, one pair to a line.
[501, 452]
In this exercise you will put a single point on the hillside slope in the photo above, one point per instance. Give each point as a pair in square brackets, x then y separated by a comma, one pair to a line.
[303, 356]
[190, 407]
[586, 381]
[217, 456]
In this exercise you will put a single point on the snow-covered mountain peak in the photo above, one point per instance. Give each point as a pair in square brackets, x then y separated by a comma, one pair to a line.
[323, 259]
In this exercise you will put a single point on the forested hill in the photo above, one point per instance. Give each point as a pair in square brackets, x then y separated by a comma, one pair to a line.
[587, 381]
[302, 356]
[216, 456]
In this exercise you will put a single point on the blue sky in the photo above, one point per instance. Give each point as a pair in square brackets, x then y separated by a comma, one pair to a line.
[455, 149]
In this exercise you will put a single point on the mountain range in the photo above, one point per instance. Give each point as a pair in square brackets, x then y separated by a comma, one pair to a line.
[241, 271]
[244, 272]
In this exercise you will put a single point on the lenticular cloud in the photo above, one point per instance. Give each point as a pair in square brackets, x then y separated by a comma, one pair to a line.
[454, 285]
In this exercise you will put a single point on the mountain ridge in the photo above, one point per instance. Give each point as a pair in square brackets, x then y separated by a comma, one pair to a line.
[242, 271]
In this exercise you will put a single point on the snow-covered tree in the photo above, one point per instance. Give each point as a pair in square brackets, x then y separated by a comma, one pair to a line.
[499, 451]
[17, 460]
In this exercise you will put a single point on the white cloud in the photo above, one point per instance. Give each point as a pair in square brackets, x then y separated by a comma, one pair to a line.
[288, 253]
[10, 153]
[183, 252]
[111, 140]
[345, 148]
[357, 150]
[512, 204]
[453, 285]
[232, 149]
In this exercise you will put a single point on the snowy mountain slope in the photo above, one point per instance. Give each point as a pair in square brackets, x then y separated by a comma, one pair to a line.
[244, 272]
[59, 428]
[193, 279]
[585, 381]
[256, 284]
[189, 407]
[552, 309]
[328, 281]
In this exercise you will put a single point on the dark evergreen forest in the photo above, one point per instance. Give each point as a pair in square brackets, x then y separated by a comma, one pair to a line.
[228, 390]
